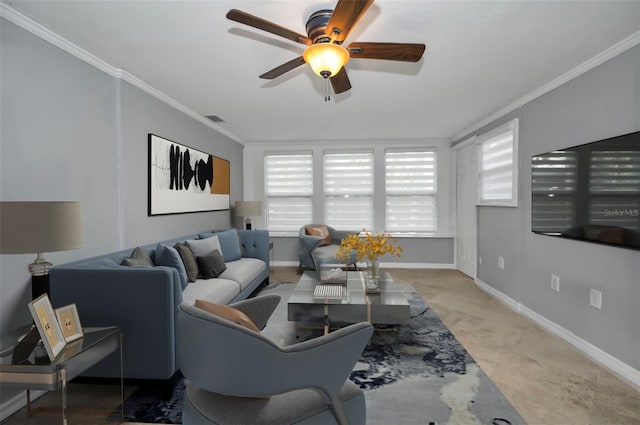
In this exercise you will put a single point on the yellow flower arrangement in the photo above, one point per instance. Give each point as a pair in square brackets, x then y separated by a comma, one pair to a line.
[369, 247]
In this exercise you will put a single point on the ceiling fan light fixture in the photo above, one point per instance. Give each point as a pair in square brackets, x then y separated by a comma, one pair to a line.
[326, 59]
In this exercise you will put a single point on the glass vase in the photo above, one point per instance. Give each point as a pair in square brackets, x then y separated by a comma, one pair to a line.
[372, 280]
[373, 268]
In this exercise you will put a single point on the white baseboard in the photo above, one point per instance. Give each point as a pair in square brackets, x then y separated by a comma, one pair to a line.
[384, 265]
[504, 299]
[17, 402]
[284, 263]
[616, 366]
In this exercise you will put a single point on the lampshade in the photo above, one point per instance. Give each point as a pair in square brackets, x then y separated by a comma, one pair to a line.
[326, 59]
[36, 227]
[248, 208]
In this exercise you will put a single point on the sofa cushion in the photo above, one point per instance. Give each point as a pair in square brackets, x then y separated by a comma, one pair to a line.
[227, 313]
[210, 265]
[202, 247]
[219, 291]
[244, 271]
[169, 256]
[230, 244]
[138, 258]
[320, 231]
[206, 235]
[189, 261]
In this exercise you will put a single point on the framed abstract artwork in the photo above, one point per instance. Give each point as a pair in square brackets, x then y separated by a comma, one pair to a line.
[185, 180]
[69, 322]
[48, 326]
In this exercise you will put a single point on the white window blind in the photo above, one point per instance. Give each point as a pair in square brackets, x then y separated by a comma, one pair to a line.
[553, 189]
[289, 191]
[498, 166]
[348, 190]
[614, 188]
[410, 191]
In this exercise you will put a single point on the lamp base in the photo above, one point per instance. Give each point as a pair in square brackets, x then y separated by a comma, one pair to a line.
[39, 285]
[39, 270]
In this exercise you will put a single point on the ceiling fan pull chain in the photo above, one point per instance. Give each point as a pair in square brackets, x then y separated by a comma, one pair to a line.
[327, 93]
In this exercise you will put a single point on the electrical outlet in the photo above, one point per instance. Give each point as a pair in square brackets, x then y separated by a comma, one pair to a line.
[555, 282]
[479, 260]
[501, 263]
[595, 298]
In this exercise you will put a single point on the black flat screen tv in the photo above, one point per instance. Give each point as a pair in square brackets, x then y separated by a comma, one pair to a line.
[589, 192]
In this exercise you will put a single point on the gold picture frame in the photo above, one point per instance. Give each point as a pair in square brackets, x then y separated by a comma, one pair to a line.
[69, 322]
[48, 326]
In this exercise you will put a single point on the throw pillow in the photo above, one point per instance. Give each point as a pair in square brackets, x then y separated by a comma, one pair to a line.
[227, 313]
[138, 258]
[230, 244]
[202, 247]
[210, 265]
[189, 261]
[168, 256]
[321, 231]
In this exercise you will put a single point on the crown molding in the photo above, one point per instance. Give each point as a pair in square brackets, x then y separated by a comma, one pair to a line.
[608, 54]
[46, 34]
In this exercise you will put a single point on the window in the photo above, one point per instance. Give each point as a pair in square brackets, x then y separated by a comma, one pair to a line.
[289, 191]
[497, 156]
[410, 190]
[348, 189]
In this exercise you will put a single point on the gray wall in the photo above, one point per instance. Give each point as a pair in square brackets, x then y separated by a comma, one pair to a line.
[71, 132]
[603, 102]
[163, 120]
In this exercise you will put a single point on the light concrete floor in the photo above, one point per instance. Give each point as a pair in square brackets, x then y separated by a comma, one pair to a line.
[547, 381]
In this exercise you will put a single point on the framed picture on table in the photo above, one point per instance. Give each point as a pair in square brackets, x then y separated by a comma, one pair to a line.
[69, 322]
[48, 326]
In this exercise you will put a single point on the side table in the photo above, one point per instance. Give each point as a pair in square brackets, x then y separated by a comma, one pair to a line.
[37, 372]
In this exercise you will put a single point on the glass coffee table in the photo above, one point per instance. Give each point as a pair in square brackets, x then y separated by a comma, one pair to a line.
[313, 302]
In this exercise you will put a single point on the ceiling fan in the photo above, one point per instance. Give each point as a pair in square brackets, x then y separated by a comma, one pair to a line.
[326, 31]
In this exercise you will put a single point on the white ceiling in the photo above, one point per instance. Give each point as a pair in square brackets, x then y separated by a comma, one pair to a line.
[481, 56]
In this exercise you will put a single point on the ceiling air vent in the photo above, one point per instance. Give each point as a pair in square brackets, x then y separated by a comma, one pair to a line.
[214, 118]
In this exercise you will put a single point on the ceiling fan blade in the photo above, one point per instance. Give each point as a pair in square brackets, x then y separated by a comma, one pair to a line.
[345, 15]
[340, 82]
[405, 52]
[285, 67]
[262, 24]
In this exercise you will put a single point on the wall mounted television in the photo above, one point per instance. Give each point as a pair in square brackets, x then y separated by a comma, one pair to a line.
[589, 192]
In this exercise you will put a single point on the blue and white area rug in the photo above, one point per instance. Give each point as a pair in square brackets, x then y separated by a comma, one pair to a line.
[418, 374]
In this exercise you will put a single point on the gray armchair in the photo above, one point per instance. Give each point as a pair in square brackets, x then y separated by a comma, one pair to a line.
[311, 255]
[237, 376]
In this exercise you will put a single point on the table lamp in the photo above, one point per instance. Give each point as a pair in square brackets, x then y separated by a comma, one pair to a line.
[248, 209]
[37, 227]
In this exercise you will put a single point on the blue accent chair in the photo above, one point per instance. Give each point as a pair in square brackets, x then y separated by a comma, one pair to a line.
[311, 255]
[237, 376]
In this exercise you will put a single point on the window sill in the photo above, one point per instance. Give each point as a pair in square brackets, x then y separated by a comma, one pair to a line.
[498, 204]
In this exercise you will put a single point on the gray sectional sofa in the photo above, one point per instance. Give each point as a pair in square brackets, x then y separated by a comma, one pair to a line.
[143, 300]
